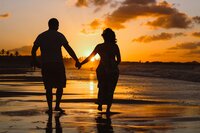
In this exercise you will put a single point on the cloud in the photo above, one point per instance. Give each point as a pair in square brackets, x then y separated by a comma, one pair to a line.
[98, 4]
[24, 50]
[95, 24]
[156, 55]
[86, 3]
[187, 49]
[196, 34]
[186, 46]
[165, 15]
[141, 2]
[175, 20]
[158, 37]
[196, 19]
[81, 3]
[5, 15]
[194, 52]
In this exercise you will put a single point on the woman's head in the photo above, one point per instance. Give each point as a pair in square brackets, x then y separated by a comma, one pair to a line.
[109, 36]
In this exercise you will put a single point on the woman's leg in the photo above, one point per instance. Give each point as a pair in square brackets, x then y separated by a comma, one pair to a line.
[111, 86]
[59, 93]
[108, 108]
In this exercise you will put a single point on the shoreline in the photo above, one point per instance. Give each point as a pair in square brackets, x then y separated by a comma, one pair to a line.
[23, 105]
[22, 77]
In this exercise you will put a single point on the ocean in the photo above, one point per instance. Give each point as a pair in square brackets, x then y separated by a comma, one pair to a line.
[141, 104]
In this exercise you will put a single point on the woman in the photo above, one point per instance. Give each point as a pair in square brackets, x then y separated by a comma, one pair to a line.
[107, 70]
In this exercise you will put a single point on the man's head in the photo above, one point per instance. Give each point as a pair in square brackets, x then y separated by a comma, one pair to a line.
[53, 24]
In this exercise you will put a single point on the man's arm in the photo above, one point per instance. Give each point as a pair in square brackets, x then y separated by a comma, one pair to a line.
[71, 52]
[33, 53]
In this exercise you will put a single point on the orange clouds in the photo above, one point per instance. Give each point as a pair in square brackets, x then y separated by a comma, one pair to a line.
[196, 34]
[190, 48]
[175, 20]
[5, 15]
[197, 19]
[159, 37]
[90, 28]
[165, 15]
[186, 46]
[95, 24]
[82, 3]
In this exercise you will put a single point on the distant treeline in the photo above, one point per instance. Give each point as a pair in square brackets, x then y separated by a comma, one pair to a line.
[159, 62]
[25, 61]
[4, 52]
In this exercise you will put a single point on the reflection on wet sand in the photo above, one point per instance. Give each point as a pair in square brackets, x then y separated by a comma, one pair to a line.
[104, 124]
[58, 127]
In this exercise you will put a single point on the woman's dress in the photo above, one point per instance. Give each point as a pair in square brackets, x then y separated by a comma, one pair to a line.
[107, 73]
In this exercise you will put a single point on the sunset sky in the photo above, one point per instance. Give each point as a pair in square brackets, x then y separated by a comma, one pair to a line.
[146, 30]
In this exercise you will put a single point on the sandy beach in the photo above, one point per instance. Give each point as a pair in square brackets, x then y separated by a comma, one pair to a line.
[136, 107]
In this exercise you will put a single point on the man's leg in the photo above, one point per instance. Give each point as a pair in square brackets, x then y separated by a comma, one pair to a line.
[49, 98]
[59, 93]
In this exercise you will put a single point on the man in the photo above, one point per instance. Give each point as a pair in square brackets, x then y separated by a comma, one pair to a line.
[53, 70]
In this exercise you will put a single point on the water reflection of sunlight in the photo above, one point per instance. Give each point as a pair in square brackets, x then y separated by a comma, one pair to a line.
[91, 88]
[91, 110]
[92, 76]
[95, 58]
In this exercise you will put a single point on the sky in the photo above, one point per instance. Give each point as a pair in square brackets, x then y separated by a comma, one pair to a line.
[146, 30]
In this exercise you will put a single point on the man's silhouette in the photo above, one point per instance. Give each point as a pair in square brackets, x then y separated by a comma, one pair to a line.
[53, 70]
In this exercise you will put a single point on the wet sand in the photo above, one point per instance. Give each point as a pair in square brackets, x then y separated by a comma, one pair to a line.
[22, 117]
[22, 107]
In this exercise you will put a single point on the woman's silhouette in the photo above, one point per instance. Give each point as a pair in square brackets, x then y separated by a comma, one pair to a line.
[107, 70]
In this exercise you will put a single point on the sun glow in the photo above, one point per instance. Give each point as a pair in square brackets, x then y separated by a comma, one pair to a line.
[95, 58]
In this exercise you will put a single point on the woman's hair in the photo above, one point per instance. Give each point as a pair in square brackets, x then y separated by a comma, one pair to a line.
[109, 36]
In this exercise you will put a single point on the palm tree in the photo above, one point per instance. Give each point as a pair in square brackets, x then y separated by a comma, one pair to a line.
[2, 52]
[7, 53]
[16, 53]
[11, 54]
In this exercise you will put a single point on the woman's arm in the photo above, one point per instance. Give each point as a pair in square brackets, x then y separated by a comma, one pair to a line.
[94, 52]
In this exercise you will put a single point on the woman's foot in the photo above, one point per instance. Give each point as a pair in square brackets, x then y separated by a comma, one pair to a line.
[100, 108]
[108, 111]
[59, 109]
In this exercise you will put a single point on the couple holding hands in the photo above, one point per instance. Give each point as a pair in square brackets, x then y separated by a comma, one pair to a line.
[53, 70]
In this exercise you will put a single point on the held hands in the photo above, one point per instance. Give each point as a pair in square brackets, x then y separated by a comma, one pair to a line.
[78, 65]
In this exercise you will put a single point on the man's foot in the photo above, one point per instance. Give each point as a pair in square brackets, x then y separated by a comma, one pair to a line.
[59, 109]
[48, 112]
[100, 108]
